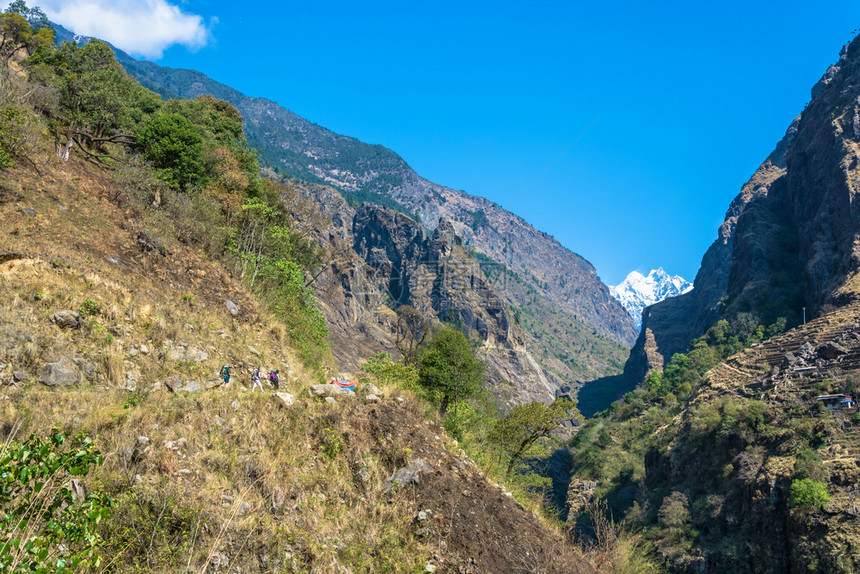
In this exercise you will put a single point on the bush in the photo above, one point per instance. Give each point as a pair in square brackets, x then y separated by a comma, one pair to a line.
[808, 493]
[47, 520]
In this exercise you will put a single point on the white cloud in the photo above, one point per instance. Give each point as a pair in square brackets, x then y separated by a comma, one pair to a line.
[140, 27]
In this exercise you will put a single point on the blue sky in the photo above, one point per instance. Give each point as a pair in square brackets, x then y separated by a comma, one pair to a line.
[669, 106]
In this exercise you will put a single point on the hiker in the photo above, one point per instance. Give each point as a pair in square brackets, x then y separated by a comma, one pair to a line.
[225, 374]
[255, 378]
[275, 379]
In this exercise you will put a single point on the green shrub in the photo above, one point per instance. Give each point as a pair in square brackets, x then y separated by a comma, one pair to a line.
[808, 493]
[47, 523]
[89, 307]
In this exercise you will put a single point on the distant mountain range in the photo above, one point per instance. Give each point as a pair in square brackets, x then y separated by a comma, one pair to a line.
[638, 291]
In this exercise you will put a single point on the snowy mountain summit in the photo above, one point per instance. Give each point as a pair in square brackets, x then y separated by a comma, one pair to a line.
[637, 291]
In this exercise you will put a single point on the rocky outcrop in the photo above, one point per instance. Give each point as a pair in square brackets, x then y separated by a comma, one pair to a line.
[790, 238]
[385, 259]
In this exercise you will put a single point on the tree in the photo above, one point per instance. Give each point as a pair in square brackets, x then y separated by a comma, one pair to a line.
[412, 329]
[517, 432]
[34, 16]
[15, 34]
[48, 522]
[449, 367]
[173, 145]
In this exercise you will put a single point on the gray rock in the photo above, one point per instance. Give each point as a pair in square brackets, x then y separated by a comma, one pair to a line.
[115, 262]
[806, 351]
[372, 399]
[175, 384]
[372, 389]
[254, 351]
[66, 319]
[63, 372]
[324, 390]
[409, 474]
[130, 383]
[19, 376]
[330, 400]
[244, 509]
[286, 399]
[234, 310]
[31, 212]
[190, 354]
[89, 369]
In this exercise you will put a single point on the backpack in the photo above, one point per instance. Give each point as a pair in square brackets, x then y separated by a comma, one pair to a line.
[225, 371]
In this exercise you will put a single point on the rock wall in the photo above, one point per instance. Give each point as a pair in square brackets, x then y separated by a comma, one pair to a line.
[791, 238]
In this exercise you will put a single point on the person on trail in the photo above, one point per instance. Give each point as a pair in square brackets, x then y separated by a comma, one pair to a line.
[225, 374]
[255, 379]
[275, 379]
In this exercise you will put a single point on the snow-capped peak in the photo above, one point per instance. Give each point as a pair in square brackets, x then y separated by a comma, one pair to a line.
[638, 291]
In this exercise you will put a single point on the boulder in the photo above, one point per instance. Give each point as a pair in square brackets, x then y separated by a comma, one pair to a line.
[190, 354]
[372, 399]
[286, 399]
[175, 384]
[408, 474]
[234, 310]
[372, 389]
[63, 372]
[66, 319]
[324, 390]
[254, 351]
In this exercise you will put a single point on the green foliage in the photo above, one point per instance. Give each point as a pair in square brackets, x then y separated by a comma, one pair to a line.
[808, 493]
[523, 425]
[273, 258]
[175, 148]
[11, 135]
[389, 372]
[449, 367]
[808, 464]
[34, 16]
[15, 34]
[89, 307]
[46, 524]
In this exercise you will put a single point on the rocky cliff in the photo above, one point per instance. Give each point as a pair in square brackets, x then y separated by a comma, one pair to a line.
[790, 237]
[380, 259]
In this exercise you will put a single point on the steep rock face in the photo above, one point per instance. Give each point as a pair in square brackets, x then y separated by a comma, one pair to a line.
[381, 259]
[668, 326]
[373, 173]
[791, 238]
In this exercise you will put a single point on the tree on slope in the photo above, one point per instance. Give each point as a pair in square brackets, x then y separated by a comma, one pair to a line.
[450, 368]
[524, 425]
